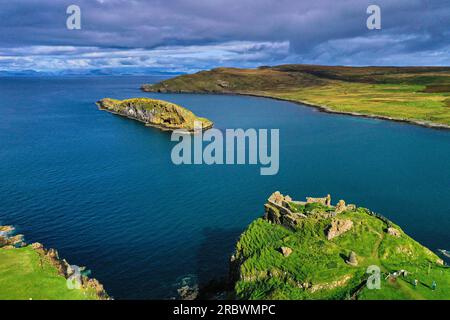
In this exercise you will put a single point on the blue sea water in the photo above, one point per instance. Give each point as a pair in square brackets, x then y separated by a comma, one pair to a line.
[103, 190]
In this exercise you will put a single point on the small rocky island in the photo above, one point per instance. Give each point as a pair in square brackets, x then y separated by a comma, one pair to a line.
[32, 272]
[156, 113]
[315, 250]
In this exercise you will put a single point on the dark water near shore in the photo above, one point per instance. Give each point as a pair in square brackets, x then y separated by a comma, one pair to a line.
[103, 191]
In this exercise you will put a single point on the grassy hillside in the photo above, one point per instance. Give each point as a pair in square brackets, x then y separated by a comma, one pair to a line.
[317, 267]
[24, 275]
[152, 112]
[416, 94]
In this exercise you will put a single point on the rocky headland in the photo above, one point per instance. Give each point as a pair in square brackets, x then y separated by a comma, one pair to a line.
[313, 249]
[156, 113]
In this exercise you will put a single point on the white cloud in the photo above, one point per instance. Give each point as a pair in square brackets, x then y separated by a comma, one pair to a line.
[175, 58]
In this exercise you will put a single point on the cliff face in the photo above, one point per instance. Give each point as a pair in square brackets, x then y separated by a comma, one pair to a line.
[315, 250]
[152, 112]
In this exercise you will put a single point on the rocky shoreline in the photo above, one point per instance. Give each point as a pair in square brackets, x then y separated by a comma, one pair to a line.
[11, 241]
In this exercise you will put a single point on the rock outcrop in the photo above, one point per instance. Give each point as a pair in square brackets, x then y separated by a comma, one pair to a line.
[338, 227]
[8, 240]
[340, 207]
[286, 251]
[277, 211]
[393, 232]
[156, 113]
[352, 260]
[326, 201]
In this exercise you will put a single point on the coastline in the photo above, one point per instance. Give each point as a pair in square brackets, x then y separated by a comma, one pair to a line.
[320, 108]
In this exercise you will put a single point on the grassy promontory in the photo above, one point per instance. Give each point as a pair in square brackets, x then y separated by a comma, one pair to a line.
[315, 250]
[156, 113]
[31, 272]
[419, 95]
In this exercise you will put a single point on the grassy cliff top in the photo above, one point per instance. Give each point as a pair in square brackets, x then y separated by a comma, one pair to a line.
[153, 112]
[416, 94]
[25, 275]
[305, 253]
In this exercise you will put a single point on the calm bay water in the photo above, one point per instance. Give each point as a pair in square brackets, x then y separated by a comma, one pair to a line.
[103, 191]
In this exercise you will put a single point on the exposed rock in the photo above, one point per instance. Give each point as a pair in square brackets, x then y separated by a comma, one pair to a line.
[222, 83]
[393, 232]
[340, 207]
[37, 246]
[338, 227]
[277, 198]
[3, 241]
[6, 229]
[352, 260]
[277, 211]
[16, 241]
[52, 254]
[188, 293]
[6, 239]
[97, 286]
[286, 251]
[326, 201]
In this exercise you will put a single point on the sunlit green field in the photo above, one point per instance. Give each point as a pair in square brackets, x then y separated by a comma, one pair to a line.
[420, 94]
[399, 101]
[25, 275]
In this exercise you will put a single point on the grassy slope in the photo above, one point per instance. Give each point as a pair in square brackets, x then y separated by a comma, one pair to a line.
[24, 275]
[267, 274]
[165, 114]
[420, 94]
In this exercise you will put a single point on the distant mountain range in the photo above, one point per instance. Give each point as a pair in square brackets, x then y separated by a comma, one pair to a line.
[89, 72]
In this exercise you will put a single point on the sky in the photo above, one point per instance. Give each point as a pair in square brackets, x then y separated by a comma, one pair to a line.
[140, 36]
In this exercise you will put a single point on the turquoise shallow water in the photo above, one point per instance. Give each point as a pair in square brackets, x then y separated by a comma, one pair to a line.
[102, 189]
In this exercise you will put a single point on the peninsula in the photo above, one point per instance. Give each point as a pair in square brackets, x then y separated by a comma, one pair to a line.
[32, 272]
[315, 250]
[156, 113]
[419, 95]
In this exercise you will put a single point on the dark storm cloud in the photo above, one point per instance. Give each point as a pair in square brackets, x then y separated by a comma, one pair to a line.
[204, 33]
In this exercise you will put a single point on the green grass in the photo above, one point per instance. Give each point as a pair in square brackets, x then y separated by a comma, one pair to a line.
[266, 274]
[420, 94]
[25, 275]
